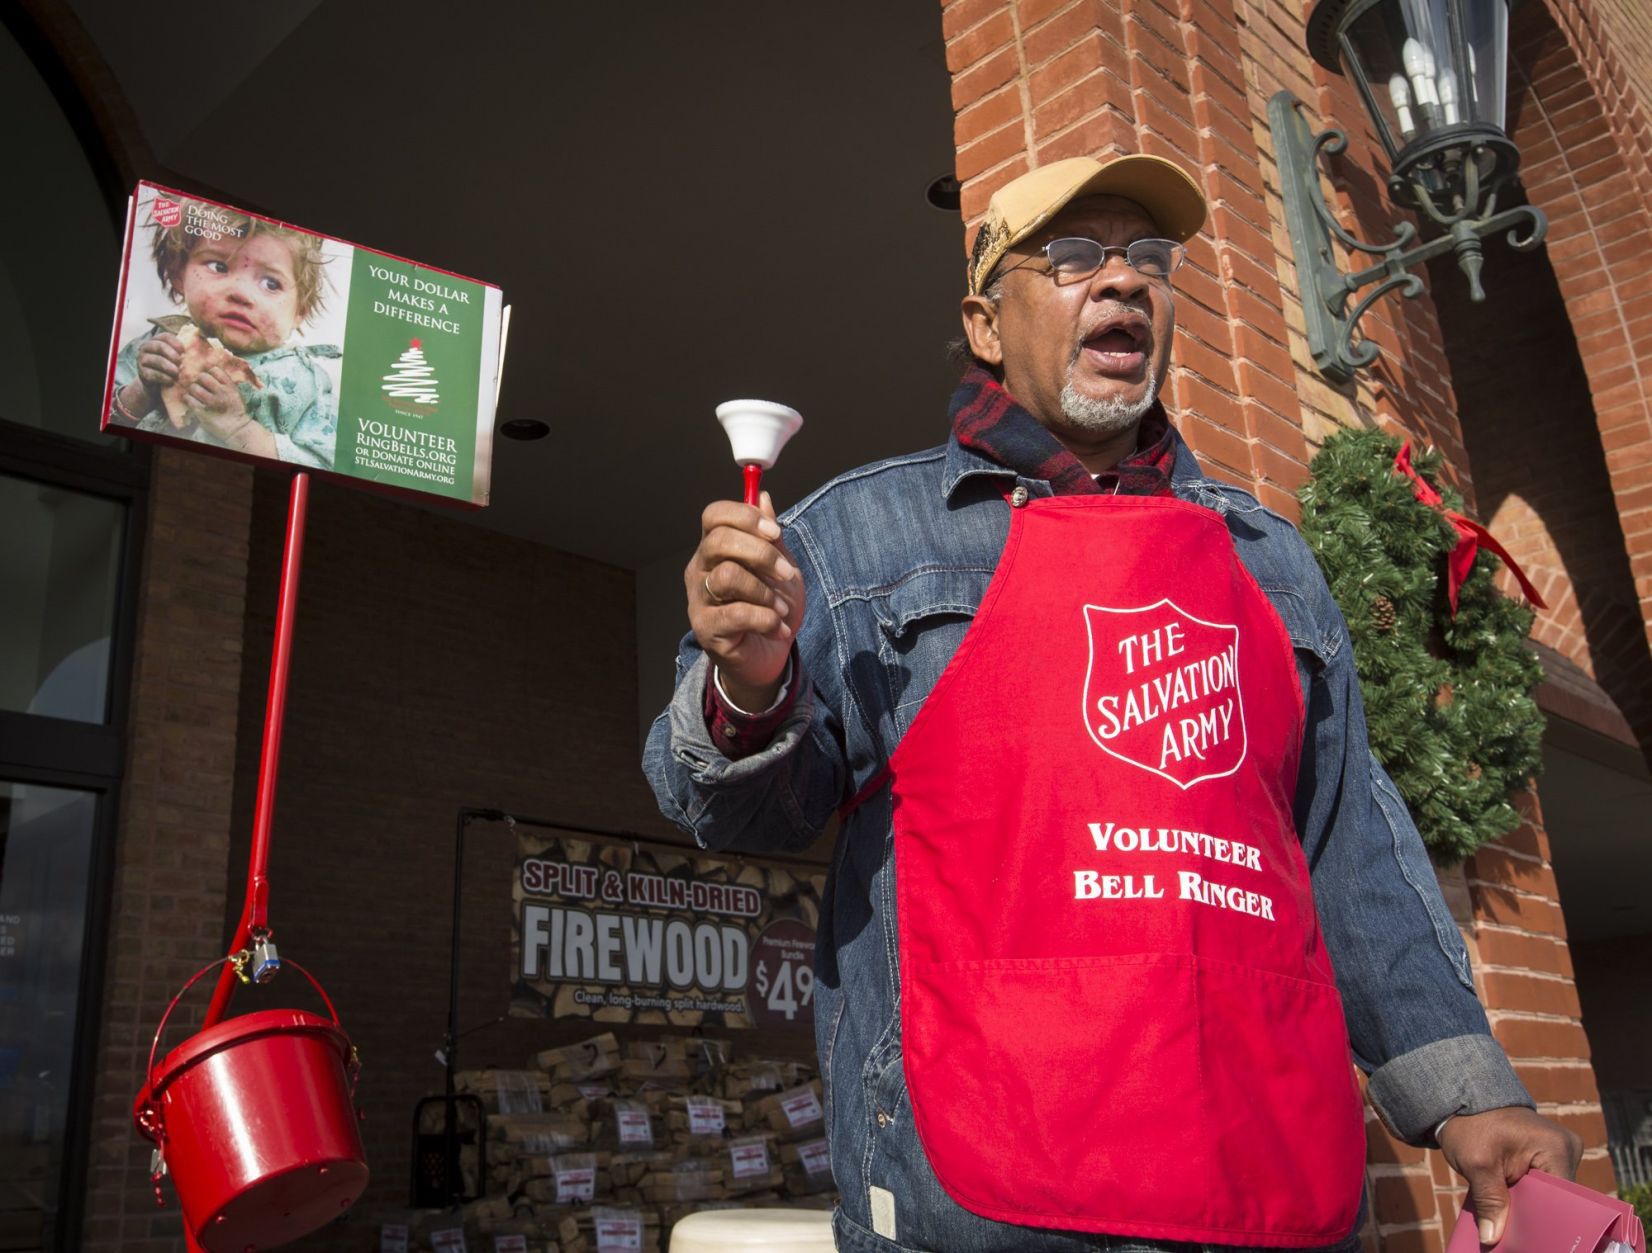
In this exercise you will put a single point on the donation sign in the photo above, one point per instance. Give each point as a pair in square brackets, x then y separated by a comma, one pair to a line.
[253, 338]
[617, 932]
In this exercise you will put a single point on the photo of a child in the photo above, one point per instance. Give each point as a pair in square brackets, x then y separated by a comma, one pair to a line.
[228, 372]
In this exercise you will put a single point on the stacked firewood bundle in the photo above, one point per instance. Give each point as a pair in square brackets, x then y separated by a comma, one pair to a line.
[604, 1146]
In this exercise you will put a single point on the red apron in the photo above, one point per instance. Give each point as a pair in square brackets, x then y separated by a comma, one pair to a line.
[1117, 1011]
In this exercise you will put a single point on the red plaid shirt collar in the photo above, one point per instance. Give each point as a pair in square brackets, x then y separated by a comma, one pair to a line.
[987, 420]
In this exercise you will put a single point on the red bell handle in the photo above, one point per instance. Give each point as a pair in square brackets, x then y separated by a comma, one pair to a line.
[754, 484]
[149, 1070]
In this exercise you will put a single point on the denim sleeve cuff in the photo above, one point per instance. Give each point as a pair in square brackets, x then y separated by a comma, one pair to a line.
[1465, 1074]
[737, 732]
[692, 742]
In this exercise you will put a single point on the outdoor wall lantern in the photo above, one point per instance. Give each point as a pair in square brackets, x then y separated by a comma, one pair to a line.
[1432, 74]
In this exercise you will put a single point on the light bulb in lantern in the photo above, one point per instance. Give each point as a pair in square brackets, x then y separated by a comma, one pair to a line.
[1419, 67]
[1399, 91]
[1450, 114]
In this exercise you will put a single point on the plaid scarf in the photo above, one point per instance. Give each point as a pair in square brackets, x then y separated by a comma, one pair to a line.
[986, 418]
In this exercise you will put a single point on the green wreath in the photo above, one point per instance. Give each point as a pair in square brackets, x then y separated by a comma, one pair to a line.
[1448, 700]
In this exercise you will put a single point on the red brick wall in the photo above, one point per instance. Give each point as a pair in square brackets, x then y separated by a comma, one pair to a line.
[1587, 143]
[1524, 970]
[1612, 40]
[1507, 904]
[171, 850]
[1524, 390]
[1036, 81]
[1565, 341]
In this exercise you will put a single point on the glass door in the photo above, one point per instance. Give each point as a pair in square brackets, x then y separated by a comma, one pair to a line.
[47, 838]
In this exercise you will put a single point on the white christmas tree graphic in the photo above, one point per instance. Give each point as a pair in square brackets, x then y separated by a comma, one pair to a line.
[412, 378]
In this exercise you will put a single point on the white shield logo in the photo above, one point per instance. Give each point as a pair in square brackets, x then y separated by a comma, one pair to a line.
[1162, 691]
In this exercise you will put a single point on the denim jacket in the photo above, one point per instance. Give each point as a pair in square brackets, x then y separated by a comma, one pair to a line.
[895, 558]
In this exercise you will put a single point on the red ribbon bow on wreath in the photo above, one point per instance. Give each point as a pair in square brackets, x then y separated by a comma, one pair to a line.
[1470, 535]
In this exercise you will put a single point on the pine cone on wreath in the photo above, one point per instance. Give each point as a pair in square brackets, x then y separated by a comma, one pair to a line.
[1383, 614]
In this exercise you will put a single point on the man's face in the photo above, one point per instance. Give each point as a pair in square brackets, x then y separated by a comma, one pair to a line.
[242, 292]
[1081, 355]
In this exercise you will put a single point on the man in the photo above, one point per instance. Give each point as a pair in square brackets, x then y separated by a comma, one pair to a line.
[1109, 818]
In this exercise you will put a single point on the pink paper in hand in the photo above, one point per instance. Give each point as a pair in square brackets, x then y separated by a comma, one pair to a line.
[1552, 1215]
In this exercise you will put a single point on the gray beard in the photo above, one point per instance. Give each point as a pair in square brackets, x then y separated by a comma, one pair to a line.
[1108, 415]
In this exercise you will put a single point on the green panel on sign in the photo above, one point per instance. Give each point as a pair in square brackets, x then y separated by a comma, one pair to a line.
[412, 367]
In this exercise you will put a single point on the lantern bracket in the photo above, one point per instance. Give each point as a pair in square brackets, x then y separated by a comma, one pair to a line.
[1463, 223]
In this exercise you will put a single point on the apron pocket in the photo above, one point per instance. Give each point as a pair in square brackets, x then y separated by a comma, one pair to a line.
[1286, 1122]
[1061, 1093]
[1152, 1095]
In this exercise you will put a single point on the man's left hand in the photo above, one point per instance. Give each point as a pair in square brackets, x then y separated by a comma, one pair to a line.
[1496, 1148]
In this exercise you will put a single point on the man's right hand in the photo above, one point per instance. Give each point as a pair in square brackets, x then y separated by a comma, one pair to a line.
[745, 600]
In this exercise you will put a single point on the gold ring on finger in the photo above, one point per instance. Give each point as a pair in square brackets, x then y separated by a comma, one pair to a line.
[711, 595]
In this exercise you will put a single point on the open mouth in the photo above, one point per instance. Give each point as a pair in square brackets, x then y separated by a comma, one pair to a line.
[1117, 346]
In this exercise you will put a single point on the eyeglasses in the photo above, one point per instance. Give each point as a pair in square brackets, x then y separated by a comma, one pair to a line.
[1072, 260]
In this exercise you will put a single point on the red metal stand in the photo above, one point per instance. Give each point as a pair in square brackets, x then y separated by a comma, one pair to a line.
[255, 912]
[254, 1118]
[754, 484]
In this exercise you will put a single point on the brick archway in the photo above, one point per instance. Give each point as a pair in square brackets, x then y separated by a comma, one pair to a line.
[1587, 156]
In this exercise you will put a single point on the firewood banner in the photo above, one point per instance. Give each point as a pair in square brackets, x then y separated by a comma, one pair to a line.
[617, 932]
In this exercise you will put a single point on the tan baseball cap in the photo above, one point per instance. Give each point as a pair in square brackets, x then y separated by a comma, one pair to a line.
[1017, 209]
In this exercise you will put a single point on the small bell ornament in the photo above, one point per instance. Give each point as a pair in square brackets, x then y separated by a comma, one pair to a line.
[757, 430]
